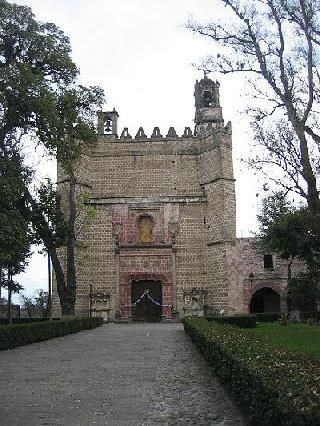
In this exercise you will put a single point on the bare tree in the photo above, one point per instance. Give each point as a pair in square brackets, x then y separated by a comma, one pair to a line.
[277, 42]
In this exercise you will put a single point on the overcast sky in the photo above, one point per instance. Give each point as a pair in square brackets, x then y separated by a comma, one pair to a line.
[139, 52]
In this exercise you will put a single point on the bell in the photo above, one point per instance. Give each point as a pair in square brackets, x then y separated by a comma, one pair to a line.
[108, 126]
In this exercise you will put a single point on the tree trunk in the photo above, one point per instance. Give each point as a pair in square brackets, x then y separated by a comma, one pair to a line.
[289, 296]
[48, 310]
[61, 285]
[289, 271]
[308, 175]
[66, 303]
[9, 297]
[0, 283]
[71, 239]
[67, 291]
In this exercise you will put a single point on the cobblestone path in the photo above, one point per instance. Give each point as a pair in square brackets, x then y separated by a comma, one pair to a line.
[118, 374]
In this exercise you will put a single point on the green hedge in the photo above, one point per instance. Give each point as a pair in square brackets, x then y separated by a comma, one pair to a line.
[273, 385]
[275, 316]
[22, 334]
[268, 316]
[5, 321]
[240, 320]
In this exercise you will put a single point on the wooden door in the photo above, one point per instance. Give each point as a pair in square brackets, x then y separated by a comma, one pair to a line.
[146, 296]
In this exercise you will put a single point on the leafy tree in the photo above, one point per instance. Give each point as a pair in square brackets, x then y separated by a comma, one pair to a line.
[272, 208]
[78, 106]
[27, 304]
[286, 230]
[57, 225]
[39, 98]
[15, 236]
[3, 301]
[277, 43]
[37, 304]
[305, 290]
[12, 287]
[41, 302]
[14, 231]
[35, 66]
[275, 231]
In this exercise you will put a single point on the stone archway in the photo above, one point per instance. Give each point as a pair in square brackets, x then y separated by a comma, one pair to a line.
[146, 300]
[265, 300]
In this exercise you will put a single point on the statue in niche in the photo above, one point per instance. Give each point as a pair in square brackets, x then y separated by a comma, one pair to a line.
[145, 225]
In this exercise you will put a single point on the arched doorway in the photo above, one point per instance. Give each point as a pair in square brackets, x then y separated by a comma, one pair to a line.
[265, 300]
[146, 300]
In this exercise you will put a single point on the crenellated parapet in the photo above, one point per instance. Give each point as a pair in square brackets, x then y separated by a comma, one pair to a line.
[207, 129]
[156, 135]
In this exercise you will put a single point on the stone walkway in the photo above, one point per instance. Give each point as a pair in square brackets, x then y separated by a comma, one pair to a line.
[118, 374]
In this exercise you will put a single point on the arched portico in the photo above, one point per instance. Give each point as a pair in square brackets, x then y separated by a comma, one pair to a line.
[265, 300]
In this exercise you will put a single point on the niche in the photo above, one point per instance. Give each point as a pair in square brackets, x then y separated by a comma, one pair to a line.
[145, 226]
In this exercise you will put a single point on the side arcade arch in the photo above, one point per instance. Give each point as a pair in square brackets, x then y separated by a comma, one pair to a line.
[265, 300]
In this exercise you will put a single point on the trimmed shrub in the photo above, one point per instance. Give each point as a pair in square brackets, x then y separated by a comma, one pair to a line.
[240, 320]
[273, 385]
[268, 316]
[4, 321]
[306, 316]
[23, 334]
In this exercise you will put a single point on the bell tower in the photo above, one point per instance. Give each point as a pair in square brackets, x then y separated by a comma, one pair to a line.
[207, 103]
[108, 122]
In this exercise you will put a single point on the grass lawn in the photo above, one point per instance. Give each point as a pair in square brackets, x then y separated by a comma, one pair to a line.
[296, 337]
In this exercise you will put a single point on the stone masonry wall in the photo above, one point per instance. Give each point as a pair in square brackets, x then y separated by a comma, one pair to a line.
[186, 186]
[245, 257]
[191, 252]
[95, 265]
[220, 215]
[145, 169]
[182, 188]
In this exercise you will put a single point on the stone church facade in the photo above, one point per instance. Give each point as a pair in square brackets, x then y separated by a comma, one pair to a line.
[163, 243]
